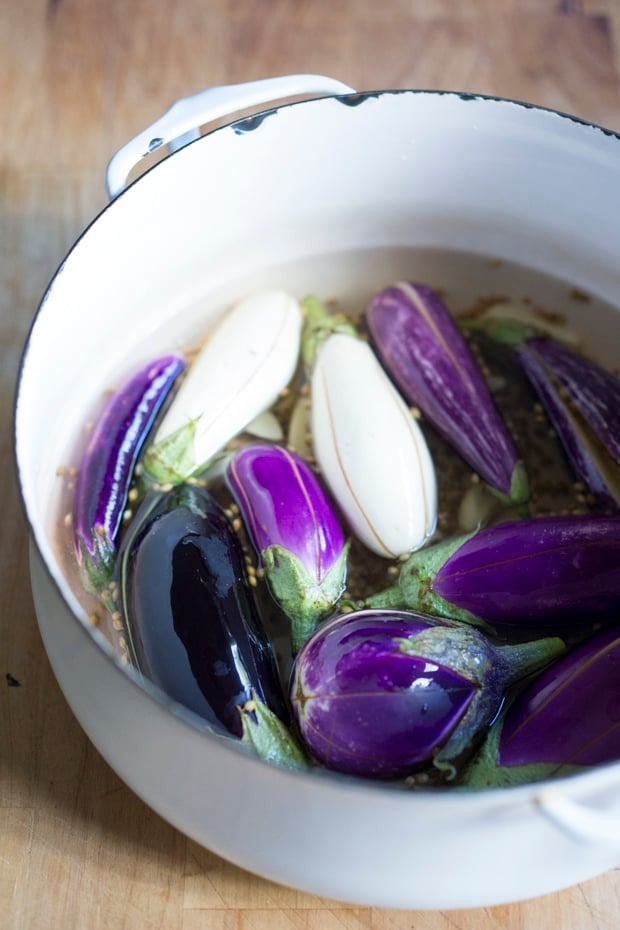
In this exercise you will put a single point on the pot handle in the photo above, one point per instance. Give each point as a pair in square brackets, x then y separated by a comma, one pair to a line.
[583, 823]
[181, 123]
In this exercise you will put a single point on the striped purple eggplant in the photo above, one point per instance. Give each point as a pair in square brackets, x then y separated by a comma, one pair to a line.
[565, 721]
[582, 400]
[292, 525]
[546, 572]
[106, 467]
[384, 694]
[423, 350]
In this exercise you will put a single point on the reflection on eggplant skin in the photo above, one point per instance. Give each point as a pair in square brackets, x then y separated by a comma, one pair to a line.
[192, 622]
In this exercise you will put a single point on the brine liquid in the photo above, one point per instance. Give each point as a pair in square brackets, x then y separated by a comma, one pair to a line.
[466, 282]
[464, 279]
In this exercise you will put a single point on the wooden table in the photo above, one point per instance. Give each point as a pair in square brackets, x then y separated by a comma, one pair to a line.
[77, 79]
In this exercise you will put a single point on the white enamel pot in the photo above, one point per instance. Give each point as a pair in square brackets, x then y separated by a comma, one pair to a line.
[271, 199]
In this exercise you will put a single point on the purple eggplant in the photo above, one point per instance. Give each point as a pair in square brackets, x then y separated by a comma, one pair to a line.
[545, 572]
[565, 721]
[193, 628]
[292, 525]
[582, 400]
[106, 468]
[423, 350]
[385, 694]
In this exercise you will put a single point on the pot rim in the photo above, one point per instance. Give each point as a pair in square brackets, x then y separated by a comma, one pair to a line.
[601, 776]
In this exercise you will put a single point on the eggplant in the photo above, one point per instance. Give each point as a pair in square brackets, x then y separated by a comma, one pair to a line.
[193, 628]
[385, 694]
[106, 468]
[370, 450]
[422, 348]
[294, 530]
[565, 721]
[582, 400]
[237, 375]
[559, 571]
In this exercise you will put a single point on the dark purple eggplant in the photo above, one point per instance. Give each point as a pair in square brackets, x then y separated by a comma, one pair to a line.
[425, 353]
[582, 400]
[384, 694]
[546, 572]
[566, 721]
[193, 628]
[293, 527]
[106, 468]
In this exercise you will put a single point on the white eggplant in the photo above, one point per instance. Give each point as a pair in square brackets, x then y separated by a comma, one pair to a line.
[250, 357]
[371, 451]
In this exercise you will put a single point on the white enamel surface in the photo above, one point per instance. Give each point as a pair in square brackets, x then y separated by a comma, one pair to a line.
[182, 122]
[220, 218]
[370, 450]
[250, 357]
[601, 828]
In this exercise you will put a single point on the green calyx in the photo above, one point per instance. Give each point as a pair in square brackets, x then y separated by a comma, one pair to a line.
[454, 645]
[499, 667]
[466, 653]
[519, 493]
[417, 575]
[266, 735]
[490, 670]
[319, 324]
[304, 600]
[172, 460]
[484, 770]
[413, 590]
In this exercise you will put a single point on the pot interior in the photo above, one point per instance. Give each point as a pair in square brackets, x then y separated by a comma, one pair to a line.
[338, 197]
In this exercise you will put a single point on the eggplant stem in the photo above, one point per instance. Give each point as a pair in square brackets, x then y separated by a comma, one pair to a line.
[319, 325]
[522, 659]
[266, 735]
[388, 598]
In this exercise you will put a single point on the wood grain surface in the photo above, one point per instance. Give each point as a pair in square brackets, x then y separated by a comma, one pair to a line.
[77, 79]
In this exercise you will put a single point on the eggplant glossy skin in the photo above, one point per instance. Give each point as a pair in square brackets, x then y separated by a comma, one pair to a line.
[294, 529]
[193, 627]
[555, 572]
[571, 713]
[565, 721]
[384, 693]
[542, 571]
